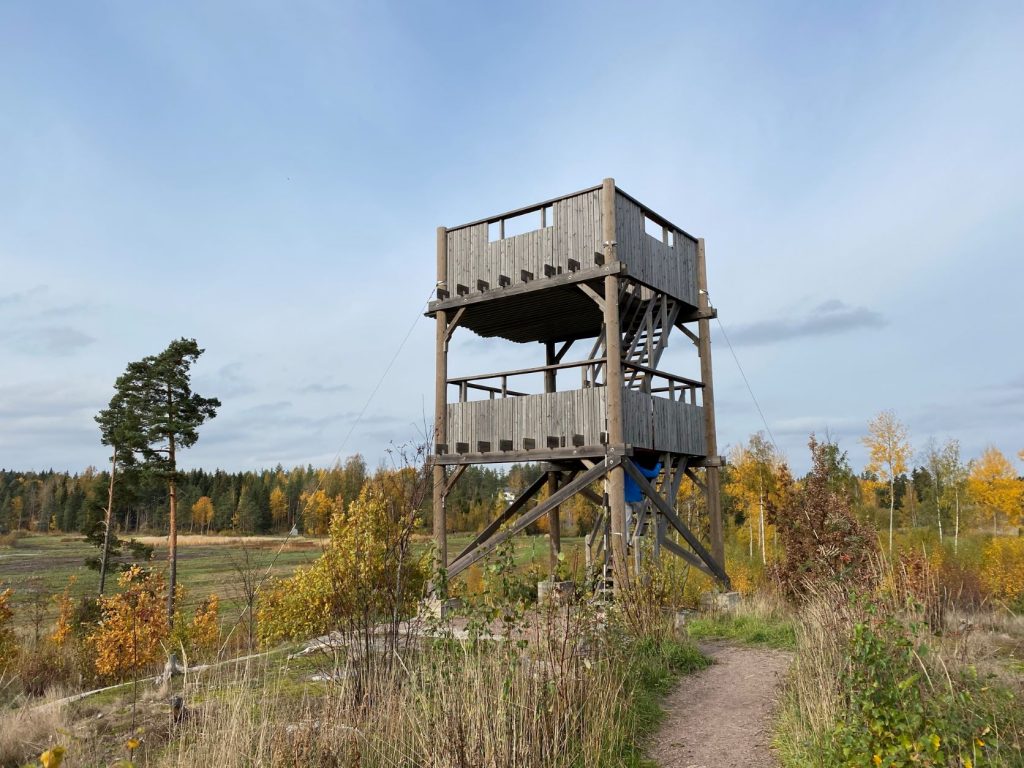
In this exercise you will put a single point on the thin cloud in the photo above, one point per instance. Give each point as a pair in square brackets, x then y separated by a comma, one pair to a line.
[324, 389]
[829, 318]
[56, 340]
[20, 297]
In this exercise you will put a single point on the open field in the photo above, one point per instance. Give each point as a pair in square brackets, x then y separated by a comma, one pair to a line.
[39, 566]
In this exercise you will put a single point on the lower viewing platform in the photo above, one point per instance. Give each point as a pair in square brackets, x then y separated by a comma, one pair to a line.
[568, 424]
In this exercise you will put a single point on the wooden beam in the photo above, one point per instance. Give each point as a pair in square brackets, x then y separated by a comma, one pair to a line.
[441, 408]
[536, 454]
[524, 371]
[527, 209]
[598, 298]
[454, 478]
[532, 490]
[710, 435]
[662, 374]
[686, 555]
[696, 480]
[688, 333]
[493, 390]
[673, 518]
[668, 318]
[563, 494]
[566, 278]
[454, 324]
[614, 382]
[709, 461]
[561, 352]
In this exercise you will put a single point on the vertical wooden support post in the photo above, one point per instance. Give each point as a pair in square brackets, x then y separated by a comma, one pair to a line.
[711, 440]
[441, 408]
[613, 378]
[554, 516]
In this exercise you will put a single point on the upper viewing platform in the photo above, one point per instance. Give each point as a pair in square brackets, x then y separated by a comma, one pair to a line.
[516, 275]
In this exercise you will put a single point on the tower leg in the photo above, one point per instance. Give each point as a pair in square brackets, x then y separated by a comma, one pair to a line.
[613, 378]
[712, 479]
[554, 516]
[441, 409]
[554, 526]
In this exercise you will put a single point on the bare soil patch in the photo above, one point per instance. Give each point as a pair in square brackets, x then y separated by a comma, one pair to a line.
[722, 716]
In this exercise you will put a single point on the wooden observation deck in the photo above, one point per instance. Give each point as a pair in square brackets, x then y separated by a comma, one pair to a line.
[599, 274]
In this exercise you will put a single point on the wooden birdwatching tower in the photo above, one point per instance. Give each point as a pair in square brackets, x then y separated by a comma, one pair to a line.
[588, 276]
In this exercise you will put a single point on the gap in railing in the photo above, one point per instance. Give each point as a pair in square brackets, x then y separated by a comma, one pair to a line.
[659, 232]
[530, 221]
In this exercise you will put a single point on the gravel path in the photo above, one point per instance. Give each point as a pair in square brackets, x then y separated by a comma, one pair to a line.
[722, 716]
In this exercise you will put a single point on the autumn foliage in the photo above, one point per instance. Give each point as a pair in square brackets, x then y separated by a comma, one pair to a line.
[366, 574]
[993, 484]
[133, 625]
[1002, 570]
[822, 539]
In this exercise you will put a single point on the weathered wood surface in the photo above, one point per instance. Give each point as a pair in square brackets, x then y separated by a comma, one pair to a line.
[573, 234]
[570, 239]
[654, 423]
[672, 269]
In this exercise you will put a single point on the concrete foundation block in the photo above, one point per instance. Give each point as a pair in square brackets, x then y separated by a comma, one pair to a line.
[555, 592]
[680, 619]
[436, 608]
[720, 601]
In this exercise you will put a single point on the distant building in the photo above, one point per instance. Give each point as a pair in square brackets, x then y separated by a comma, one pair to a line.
[507, 494]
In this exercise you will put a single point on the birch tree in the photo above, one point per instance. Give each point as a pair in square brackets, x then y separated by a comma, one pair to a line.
[888, 450]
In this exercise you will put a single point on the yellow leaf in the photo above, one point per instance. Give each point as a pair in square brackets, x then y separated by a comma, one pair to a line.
[53, 757]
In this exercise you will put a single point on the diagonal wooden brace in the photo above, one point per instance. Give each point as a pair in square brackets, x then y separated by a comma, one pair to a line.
[686, 555]
[562, 495]
[509, 511]
[666, 509]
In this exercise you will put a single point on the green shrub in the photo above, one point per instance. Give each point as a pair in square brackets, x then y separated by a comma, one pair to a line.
[897, 716]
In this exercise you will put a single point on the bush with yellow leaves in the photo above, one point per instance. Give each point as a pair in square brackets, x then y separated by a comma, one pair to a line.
[1002, 570]
[368, 572]
[133, 625]
[204, 631]
[65, 614]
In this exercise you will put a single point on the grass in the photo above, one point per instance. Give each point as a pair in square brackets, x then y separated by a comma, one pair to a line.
[39, 566]
[748, 629]
[553, 709]
[762, 620]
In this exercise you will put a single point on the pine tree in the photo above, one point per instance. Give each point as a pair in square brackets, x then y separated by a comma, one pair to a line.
[170, 414]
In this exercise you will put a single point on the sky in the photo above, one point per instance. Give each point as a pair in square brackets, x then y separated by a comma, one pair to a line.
[267, 177]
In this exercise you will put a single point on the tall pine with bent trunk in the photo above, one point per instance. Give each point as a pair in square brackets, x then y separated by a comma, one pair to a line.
[170, 415]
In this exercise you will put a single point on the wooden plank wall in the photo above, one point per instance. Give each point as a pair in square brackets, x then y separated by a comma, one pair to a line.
[648, 422]
[575, 233]
[669, 269]
[636, 418]
[678, 427]
[554, 414]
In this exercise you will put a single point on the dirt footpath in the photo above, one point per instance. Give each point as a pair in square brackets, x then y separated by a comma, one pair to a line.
[722, 716]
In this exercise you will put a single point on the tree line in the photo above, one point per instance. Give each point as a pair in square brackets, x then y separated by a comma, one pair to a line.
[933, 486]
[265, 501]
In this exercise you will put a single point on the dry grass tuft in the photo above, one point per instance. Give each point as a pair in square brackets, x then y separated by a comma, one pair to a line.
[29, 730]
